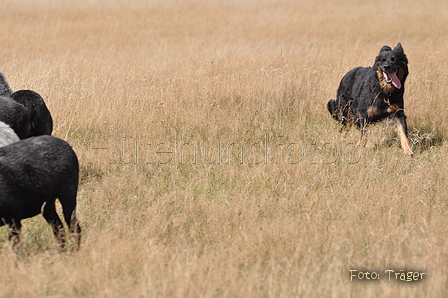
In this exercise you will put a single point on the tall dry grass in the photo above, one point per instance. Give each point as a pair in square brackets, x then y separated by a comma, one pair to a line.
[209, 164]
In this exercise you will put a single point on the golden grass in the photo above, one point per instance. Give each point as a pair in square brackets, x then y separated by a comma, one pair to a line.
[211, 82]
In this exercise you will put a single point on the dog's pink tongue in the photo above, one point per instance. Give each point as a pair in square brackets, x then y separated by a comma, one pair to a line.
[395, 81]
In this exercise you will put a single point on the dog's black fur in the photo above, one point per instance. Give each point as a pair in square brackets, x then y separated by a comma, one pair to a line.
[33, 173]
[39, 117]
[16, 116]
[370, 94]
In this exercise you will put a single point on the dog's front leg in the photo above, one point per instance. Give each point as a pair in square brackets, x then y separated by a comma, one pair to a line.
[402, 131]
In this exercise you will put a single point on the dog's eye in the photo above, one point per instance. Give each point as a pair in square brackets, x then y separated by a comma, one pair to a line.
[383, 58]
[392, 58]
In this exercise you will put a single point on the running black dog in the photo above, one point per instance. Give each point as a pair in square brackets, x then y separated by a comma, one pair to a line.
[370, 94]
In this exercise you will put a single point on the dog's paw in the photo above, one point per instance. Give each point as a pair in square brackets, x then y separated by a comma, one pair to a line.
[409, 152]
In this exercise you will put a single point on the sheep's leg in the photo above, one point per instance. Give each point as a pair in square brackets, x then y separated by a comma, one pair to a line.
[75, 231]
[67, 197]
[14, 233]
[50, 215]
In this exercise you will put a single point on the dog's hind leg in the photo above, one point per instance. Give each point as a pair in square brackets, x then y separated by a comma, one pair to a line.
[363, 142]
[402, 131]
[344, 130]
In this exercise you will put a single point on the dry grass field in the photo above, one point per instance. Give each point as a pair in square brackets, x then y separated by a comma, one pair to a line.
[210, 166]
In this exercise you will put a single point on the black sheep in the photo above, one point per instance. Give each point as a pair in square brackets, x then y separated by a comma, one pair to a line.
[16, 116]
[7, 135]
[39, 120]
[39, 116]
[5, 90]
[33, 173]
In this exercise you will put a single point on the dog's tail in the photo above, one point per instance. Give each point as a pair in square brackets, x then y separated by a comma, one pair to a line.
[334, 109]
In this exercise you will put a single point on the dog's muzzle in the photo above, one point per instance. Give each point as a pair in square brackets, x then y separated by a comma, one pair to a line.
[391, 78]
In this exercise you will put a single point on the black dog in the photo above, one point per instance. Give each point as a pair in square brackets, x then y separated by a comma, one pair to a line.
[370, 94]
[33, 173]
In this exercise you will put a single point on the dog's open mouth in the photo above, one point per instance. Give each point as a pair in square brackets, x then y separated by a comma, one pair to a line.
[391, 78]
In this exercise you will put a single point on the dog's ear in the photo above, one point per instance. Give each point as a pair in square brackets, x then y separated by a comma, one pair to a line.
[385, 49]
[399, 48]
